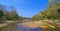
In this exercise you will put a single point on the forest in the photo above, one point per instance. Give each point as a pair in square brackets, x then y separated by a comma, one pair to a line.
[52, 11]
[51, 15]
[9, 13]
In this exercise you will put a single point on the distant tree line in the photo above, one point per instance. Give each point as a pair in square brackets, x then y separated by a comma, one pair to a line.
[9, 13]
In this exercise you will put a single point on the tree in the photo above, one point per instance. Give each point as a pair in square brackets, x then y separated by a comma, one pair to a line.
[1, 13]
[12, 14]
[52, 11]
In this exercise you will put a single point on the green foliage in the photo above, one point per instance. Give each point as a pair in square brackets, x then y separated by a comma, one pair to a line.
[1, 13]
[9, 14]
[52, 11]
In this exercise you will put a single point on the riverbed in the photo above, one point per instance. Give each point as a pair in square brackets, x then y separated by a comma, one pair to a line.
[20, 27]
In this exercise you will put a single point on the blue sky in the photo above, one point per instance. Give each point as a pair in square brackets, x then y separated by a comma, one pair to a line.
[26, 8]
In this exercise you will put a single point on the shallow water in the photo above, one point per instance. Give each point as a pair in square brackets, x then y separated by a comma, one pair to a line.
[20, 27]
[23, 28]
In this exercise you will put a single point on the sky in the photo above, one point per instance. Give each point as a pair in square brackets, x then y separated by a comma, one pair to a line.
[26, 8]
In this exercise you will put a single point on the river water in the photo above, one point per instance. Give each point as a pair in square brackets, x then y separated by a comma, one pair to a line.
[20, 27]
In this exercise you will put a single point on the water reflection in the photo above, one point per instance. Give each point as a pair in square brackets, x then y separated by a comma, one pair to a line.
[23, 28]
[20, 27]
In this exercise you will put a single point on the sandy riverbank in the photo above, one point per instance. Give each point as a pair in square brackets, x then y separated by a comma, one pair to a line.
[40, 24]
[3, 25]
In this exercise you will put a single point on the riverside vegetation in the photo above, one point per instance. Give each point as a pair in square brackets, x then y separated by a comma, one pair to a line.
[9, 14]
[51, 15]
[48, 18]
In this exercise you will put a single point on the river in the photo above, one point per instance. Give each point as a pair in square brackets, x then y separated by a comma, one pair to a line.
[20, 27]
